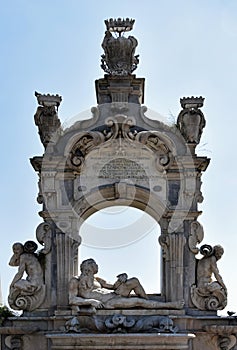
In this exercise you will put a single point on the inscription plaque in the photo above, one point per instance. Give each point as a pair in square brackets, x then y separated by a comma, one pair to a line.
[122, 168]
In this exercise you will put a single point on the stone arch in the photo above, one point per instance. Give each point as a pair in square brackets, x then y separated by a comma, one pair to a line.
[128, 238]
[120, 157]
[119, 194]
[133, 196]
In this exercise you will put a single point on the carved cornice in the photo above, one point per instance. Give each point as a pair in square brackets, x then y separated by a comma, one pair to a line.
[19, 330]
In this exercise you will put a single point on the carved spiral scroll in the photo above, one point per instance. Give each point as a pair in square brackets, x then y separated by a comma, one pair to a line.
[212, 303]
[23, 302]
[206, 250]
[28, 302]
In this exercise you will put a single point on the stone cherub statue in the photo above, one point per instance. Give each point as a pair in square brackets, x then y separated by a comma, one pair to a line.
[208, 294]
[26, 294]
[89, 290]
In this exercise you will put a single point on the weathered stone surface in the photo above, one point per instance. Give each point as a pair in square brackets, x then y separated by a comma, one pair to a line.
[119, 58]
[26, 294]
[118, 157]
[209, 294]
[96, 292]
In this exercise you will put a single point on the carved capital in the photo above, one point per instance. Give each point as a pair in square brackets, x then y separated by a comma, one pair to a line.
[172, 246]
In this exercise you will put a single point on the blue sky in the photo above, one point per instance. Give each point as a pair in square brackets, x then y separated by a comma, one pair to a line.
[186, 48]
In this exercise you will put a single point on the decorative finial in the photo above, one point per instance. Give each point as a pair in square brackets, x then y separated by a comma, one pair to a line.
[119, 58]
[48, 100]
[119, 25]
[191, 120]
[192, 102]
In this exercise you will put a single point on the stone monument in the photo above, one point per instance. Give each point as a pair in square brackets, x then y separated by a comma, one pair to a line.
[118, 157]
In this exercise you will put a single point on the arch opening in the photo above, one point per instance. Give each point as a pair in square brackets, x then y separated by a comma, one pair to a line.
[123, 239]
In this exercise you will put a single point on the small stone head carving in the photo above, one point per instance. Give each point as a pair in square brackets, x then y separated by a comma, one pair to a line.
[18, 248]
[88, 267]
[218, 251]
[30, 247]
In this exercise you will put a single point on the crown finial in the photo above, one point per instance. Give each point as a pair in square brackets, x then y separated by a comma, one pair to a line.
[192, 102]
[119, 25]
